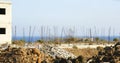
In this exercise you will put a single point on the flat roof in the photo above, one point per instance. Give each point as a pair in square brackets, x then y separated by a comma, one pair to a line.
[5, 2]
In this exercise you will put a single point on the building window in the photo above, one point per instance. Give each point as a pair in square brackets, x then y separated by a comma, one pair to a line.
[2, 31]
[2, 11]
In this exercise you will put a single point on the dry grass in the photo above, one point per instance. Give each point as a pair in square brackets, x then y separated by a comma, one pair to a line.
[86, 53]
[19, 42]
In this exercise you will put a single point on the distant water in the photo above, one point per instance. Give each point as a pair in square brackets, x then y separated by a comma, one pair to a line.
[35, 38]
[27, 39]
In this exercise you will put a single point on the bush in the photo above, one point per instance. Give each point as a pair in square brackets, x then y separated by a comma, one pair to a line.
[40, 41]
[70, 39]
[86, 40]
[75, 47]
[116, 39]
[97, 39]
[59, 43]
[90, 43]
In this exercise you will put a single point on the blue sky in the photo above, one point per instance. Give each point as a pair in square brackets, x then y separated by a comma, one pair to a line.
[87, 13]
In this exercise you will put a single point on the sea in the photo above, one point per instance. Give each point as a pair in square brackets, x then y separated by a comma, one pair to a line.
[35, 38]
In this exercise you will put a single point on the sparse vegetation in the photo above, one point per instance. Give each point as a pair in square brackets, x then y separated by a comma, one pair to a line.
[100, 48]
[70, 39]
[40, 41]
[19, 42]
[86, 52]
[75, 47]
[115, 39]
[4, 45]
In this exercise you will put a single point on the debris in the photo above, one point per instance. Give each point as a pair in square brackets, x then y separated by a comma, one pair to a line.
[109, 54]
[20, 55]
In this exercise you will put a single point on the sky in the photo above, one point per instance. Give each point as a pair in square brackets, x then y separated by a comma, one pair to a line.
[86, 13]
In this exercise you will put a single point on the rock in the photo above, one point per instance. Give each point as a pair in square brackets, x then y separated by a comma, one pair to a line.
[39, 60]
[36, 51]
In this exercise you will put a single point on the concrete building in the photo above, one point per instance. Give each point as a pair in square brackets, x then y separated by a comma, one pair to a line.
[5, 22]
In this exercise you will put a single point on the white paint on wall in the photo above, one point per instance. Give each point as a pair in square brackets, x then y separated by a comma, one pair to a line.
[6, 22]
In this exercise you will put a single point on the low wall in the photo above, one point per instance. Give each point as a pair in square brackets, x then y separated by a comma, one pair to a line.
[81, 46]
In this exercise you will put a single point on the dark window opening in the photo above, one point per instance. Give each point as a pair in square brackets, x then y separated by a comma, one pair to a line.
[2, 31]
[2, 11]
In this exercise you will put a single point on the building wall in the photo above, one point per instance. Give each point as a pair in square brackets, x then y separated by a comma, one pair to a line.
[5, 22]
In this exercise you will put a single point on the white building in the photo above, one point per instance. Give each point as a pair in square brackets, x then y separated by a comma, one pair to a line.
[5, 22]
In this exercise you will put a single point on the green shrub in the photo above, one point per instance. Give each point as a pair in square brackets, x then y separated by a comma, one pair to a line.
[97, 39]
[40, 41]
[115, 39]
[75, 47]
[86, 40]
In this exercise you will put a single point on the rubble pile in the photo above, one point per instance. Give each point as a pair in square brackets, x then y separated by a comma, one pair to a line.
[20, 55]
[109, 54]
[55, 51]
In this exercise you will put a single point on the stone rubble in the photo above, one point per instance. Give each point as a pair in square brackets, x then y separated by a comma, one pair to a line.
[55, 51]
[107, 55]
[20, 55]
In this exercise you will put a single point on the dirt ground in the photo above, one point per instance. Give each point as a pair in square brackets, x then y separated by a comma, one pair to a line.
[86, 53]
